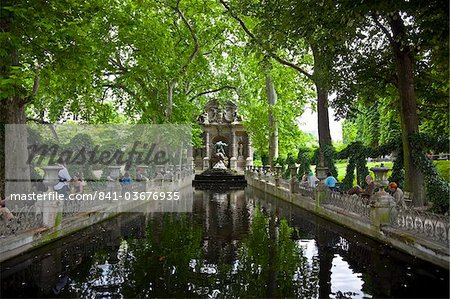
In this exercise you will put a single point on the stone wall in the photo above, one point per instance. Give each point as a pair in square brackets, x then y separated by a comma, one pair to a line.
[66, 223]
[377, 221]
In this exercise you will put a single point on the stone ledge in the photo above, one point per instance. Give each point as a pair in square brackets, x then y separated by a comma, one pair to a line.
[411, 244]
[14, 245]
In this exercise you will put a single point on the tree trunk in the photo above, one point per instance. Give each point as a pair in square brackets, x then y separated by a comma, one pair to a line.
[273, 267]
[13, 139]
[14, 148]
[171, 87]
[414, 181]
[322, 115]
[273, 126]
[322, 101]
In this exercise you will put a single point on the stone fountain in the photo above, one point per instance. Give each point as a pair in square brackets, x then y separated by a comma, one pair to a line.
[219, 174]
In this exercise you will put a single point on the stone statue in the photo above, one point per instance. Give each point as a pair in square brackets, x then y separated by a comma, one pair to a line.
[240, 150]
[220, 147]
[235, 117]
[213, 114]
[206, 118]
[219, 117]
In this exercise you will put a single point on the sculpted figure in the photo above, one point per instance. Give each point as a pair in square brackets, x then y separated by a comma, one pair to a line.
[220, 147]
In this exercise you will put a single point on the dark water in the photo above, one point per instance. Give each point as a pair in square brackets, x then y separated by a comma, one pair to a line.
[234, 244]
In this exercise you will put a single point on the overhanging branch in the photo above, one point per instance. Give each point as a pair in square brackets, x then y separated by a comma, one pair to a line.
[212, 91]
[196, 49]
[384, 29]
[260, 43]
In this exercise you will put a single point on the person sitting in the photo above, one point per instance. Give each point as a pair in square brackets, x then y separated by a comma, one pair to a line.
[126, 181]
[77, 184]
[305, 179]
[364, 193]
[4, 211]
[397, 193]
[140, 175]
[312, 180]
[330, 181]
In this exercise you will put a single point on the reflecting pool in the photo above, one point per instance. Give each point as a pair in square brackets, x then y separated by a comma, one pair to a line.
[239, 243]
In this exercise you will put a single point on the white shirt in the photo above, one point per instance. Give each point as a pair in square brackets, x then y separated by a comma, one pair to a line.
[312, 180]
[64, 174]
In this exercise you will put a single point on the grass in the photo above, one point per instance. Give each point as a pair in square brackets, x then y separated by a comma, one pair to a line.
[442, 166]
[342, 168]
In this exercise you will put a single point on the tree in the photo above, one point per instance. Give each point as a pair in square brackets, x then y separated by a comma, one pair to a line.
[273, 126]
[403, 42]
[282, 31]
[40, 39]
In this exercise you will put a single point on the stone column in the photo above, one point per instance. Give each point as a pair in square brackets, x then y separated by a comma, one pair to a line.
[249, 159]
[207, 144]
[321, 193]
[382, 208]
[51, 209]
[205, 163]
[277, 175]
[233, 143]
[233, 163]
[113, 184]
[259, 171]
[233, 159]
[208, 151]
[293, 187]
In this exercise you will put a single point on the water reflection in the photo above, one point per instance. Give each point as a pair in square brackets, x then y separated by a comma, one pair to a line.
[235, 244]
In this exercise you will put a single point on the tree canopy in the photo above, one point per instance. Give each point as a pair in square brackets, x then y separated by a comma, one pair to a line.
[382, 65]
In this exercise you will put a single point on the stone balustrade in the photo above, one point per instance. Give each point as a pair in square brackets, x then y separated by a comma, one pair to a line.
[50, 214]
[422, 234]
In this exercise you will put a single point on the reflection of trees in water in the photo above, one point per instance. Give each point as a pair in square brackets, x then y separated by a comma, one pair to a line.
[161, 264]
[170, 262]
[271, 264]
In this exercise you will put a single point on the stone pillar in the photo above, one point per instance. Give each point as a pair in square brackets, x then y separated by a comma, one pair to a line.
[249, 159]
[277, 175]
[207, 146]
[113, 185]
[178, 173]
[51, 209]
[205, 163]
[233, 163]
[293, 186]
[321, 172]
[382, 208]
[259, 171]
[233, 159]
[321, 169]
[192, 166]
[321, 193]
[233, 143]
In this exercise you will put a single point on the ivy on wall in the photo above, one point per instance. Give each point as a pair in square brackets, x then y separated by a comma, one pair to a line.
[328, 155]
[437, 189]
